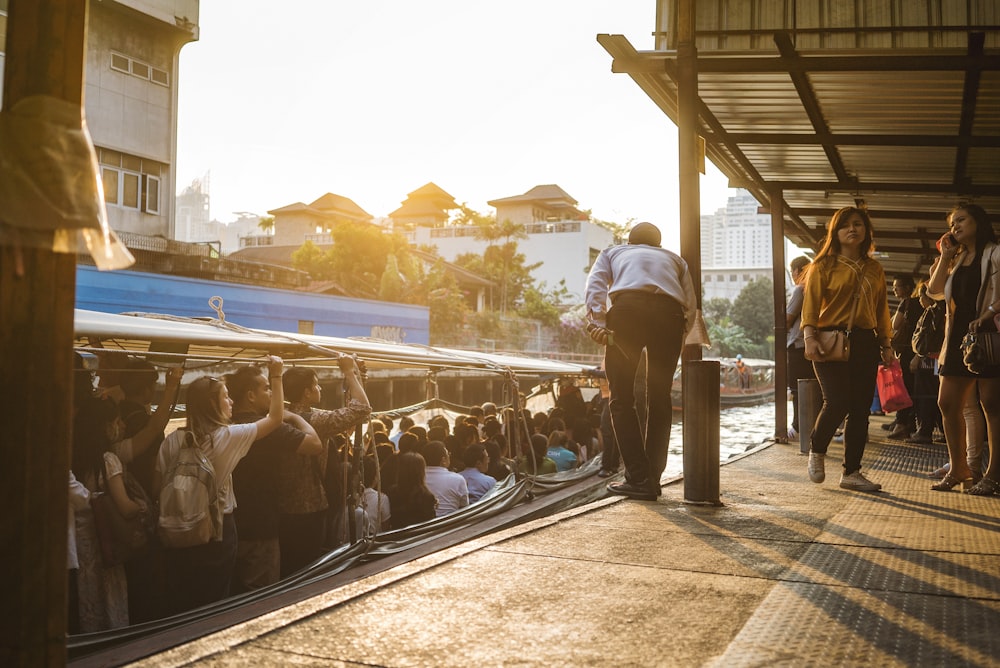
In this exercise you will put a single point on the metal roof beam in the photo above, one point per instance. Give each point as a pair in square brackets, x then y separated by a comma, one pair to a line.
[811, 105]
[855, 187]
[884, 214]
[970, 94]
[961, 141]
[655, 62]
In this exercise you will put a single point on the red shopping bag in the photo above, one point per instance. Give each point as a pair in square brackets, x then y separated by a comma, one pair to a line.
[891, 391]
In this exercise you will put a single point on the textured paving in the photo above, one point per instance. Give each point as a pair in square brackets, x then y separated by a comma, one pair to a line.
[786, 573]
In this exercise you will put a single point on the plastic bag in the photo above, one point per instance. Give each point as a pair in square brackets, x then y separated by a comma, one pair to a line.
[891, 390]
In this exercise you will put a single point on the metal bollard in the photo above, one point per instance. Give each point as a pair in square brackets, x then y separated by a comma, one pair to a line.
[700, 396]
[810, 401]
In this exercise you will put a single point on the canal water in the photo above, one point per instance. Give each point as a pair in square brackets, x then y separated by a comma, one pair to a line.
[740, 428]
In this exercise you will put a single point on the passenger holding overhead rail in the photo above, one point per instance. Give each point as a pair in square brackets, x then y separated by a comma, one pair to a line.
[255, 483]
[202, 573]
[304, 504]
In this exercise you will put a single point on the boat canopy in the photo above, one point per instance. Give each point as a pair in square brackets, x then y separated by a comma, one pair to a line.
[169, 339]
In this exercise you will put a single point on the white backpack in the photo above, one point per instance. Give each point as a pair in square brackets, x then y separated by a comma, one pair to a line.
[190, 512]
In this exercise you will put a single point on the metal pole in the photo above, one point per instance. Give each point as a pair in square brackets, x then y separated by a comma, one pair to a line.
[780, 328]
[701, 433]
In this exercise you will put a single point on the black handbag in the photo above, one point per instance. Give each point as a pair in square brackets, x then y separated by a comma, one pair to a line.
[121, 538]
[980, 350]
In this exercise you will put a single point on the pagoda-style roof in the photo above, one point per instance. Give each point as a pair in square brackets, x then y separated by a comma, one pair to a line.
[426, 201]
[327, 205]
[419, 209]
[550, 195]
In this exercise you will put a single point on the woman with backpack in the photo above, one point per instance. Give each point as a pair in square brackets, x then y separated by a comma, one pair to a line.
[194, 478]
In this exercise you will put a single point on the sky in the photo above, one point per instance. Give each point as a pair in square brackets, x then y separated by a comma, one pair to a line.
[371, 99]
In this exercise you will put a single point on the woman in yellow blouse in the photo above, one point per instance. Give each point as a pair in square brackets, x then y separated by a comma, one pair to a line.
[843, 270]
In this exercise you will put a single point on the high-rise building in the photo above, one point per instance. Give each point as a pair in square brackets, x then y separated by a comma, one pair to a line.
[735, 247]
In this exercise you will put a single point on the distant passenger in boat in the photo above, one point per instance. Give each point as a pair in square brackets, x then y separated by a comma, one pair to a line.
[489, 410]
[557, 451]
[477, 463]
[464, 436]
[412, 500]
[305, 518]
[405, 423]
[376, 504]
[743, 374]
[653, 307]
[448, 487]
[535, 461]
[498, 469]
[255, 483]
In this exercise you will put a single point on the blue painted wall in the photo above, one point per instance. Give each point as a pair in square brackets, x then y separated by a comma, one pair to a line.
[250, 306]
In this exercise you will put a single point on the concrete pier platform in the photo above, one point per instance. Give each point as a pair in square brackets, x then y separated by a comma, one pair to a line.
[787, 572]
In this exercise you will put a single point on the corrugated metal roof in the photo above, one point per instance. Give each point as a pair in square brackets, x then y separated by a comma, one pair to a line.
[910, 132]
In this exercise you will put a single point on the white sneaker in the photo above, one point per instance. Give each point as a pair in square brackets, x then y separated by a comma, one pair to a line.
[792, 434]
[858, 483]
[817, 467]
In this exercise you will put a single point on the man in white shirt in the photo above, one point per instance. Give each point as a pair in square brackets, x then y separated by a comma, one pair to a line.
[653, 307]
[450, 488]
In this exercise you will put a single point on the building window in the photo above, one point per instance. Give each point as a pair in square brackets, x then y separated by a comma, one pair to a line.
[306, 326]
[137, 68]
[129, 181]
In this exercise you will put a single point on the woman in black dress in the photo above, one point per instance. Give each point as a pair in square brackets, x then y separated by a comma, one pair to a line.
[967, 277]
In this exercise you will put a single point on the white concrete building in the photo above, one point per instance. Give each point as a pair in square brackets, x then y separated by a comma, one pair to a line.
[561, 237]
[735, 247]
[131, 104]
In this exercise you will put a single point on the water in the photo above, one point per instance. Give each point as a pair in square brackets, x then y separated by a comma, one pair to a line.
[740, 428]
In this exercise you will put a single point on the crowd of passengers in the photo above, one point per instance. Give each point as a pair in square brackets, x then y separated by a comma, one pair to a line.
[291, 485]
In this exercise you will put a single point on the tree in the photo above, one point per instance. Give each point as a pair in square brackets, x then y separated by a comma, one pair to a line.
[543, 305]
[620, 230]
[753, 310]
[728, 339]
[717, 309]
[266, 223]
[391, 285]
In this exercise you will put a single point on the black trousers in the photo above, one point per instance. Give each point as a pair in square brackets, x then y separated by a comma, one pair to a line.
[654, 323]
[848, 388]
[197, 576]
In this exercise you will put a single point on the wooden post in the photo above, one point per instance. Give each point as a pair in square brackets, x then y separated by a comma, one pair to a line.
[688, 153]
[46, 43]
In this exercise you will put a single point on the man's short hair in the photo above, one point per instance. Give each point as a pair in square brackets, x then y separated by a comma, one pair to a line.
[405, 423]
[408, 442]
[437, 433]
[645, 233]
[473, 454]
[489, 408]
[435, 453]
[243, 380]
[296, 381]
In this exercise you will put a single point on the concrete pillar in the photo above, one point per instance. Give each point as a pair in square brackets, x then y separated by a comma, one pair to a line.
[701, 432]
